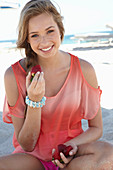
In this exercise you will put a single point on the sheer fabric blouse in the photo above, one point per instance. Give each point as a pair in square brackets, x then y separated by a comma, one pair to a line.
[62, 114]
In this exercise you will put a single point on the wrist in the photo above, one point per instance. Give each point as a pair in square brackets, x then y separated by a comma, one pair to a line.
[35, 104]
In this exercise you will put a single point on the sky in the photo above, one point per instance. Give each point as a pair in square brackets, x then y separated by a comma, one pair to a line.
[79, 16]
[86, 15]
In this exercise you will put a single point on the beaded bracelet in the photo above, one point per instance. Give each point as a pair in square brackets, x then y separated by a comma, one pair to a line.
[35, 104]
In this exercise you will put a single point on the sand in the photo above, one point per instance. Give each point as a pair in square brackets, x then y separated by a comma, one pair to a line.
[102, 60]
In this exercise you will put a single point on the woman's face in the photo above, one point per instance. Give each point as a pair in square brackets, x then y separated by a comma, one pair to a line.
[44, 35]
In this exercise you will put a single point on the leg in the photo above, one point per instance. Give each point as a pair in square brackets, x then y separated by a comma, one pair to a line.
[97, 155]
[20, 161]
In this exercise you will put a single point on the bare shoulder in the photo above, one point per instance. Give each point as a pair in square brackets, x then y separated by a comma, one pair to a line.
[8, 72]
[11, 88]
[89, 73]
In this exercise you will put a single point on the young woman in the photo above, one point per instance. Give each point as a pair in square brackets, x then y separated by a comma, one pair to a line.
[72, 94]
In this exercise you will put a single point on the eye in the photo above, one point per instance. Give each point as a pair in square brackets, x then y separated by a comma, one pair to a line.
[50, 31]
[34, 36]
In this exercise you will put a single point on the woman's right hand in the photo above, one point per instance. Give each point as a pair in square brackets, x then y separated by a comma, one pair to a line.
[36, 88]
[66, 160]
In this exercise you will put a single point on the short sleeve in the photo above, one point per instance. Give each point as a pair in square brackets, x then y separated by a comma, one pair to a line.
[19, 109]
[90, 101]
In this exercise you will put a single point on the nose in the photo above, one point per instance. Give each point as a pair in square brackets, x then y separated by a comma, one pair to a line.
[43, 39]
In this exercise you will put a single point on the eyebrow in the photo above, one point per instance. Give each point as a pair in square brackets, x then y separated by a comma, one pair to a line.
[45, 30]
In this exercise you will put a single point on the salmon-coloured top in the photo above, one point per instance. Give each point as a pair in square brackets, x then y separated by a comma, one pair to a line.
[62, 114]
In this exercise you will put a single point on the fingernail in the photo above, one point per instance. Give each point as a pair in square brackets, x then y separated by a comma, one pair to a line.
[61, 154]
[38, 73]
[71, 153]
[53, 150]
[56, 161]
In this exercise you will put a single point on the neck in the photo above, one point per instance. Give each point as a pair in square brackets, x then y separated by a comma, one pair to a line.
[52, 62]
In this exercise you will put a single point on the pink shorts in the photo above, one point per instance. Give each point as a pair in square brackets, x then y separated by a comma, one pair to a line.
[49, 165]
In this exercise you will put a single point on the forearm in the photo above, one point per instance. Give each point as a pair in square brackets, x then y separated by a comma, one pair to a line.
[90, 135]
[30, 131]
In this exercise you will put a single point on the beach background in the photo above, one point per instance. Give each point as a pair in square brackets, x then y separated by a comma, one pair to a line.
[102, 61]
[98, 53]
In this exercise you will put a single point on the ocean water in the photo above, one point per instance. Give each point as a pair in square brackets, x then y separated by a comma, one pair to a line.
[68, 39]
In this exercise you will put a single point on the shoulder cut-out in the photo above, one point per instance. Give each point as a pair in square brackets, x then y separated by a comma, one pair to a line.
[11, 88]
[89, 73]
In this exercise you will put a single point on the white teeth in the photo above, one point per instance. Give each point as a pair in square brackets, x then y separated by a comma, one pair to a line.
[46, 49]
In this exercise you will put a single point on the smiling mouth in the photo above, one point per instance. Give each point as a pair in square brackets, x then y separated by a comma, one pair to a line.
[47, 49]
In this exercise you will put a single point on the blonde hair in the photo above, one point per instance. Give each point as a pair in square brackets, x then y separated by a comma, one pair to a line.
[31, 9]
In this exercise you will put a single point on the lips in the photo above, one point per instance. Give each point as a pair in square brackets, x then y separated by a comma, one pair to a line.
[47, 49]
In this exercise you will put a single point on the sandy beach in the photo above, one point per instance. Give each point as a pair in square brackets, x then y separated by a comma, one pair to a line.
[102, 60]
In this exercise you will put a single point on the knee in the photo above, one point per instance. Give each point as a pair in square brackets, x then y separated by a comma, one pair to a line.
[105, 147]
[101, 147]
[105, 156]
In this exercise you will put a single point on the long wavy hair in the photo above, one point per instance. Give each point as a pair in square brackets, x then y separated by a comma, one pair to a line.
[31, 9]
